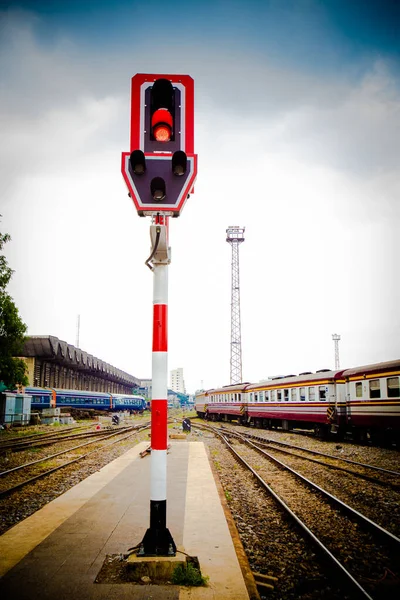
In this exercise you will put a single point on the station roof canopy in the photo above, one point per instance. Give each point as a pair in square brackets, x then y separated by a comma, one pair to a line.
[52, 349]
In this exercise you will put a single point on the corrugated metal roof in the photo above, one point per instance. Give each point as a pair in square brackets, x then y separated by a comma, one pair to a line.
[51, 348]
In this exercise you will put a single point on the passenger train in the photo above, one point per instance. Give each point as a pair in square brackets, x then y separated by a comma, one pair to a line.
[364, 401]
[102, 401]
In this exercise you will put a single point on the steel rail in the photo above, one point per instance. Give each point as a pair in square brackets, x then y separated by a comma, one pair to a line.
[344, 574]
[347, 460]
[13, 489]
[31, 439]
[390, 484]
[105, 436]
[40, 435]
[50, 442]
[384, 534]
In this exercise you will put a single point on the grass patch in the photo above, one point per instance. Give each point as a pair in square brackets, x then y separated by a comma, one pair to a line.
[228, 496]
[188, 575]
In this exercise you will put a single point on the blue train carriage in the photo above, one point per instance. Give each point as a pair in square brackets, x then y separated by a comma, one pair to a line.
[129, 402]
[53, 397]
[84, 399]
[41, 397]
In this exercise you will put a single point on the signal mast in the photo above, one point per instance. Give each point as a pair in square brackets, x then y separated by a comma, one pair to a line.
[234, 237]
[336, 339]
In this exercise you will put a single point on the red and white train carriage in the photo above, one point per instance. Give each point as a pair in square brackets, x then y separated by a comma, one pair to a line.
[306, 400]
[372, 397]
[364, 400]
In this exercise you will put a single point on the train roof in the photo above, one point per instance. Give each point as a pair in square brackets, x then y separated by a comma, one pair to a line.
[67, 392]
[234, 387]
[29, 389]
[318, 377]
[377, 368]
[128, 396]
[83, 392]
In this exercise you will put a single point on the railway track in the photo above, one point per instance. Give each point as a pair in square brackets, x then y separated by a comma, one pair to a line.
[39, 435]
[17, 484]
[388, 478]
[362, 554]
[49, 440]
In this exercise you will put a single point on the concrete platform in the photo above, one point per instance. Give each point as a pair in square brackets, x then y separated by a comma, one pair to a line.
[57, 553]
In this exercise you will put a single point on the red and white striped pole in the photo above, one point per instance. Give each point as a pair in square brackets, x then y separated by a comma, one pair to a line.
[158, 540]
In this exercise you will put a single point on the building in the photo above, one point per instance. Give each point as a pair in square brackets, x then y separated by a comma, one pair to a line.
[177, 381]
[56, 364]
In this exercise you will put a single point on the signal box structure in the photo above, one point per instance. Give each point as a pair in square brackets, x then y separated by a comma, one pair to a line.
[161, 167]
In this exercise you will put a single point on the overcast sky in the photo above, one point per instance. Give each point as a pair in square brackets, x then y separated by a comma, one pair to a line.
[297, 129]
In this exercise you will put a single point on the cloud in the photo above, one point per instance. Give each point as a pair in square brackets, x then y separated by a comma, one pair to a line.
[306, 162]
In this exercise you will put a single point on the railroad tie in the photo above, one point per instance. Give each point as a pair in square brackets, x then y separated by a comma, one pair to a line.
[265, 581]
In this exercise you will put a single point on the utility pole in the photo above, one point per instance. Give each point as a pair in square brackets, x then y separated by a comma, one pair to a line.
[234, 237]
[336, 339]
[78, 326]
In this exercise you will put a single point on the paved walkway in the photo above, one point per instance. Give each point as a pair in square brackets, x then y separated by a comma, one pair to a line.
[57, 553]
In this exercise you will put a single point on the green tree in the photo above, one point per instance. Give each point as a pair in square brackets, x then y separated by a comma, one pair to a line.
[12, 330]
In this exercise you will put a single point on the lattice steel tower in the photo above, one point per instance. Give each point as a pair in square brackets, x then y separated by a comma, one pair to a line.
[235, 236]
[336, 339]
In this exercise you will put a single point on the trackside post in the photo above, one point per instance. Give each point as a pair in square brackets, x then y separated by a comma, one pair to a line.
[159, 172]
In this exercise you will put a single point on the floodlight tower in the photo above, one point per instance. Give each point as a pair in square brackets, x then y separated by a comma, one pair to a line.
[234, 237]
[336, 339]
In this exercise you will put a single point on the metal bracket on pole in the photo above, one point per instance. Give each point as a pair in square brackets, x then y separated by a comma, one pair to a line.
[160, 252]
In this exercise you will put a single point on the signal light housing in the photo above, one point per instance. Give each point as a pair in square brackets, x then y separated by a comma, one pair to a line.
[157, 188]
[161, 168]
[179, 163]
[137, 162]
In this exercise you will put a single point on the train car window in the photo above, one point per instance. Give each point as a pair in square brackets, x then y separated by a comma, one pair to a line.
[267, 396]
[255, 397]
[311, 394]
[294, 395]
[261, 396]
[279, 393]
[393, 385]
[359, 389]
[302, 394]
[286, 395]
[240, 397]
[374, 388]
[322, 392]
[251, 396]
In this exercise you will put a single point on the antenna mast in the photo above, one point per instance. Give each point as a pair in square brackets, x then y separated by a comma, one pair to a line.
[78, 326]
[336, 339]
[234, 237]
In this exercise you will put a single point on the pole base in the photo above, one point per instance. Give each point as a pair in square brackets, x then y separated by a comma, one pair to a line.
[157, 542]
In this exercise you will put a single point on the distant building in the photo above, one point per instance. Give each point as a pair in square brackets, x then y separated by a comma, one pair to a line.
[146, 388]
[177, 381]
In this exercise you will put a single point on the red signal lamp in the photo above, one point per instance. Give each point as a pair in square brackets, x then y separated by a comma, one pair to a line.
[161, 123]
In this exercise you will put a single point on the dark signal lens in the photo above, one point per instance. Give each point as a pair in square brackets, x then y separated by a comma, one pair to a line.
[157, 188]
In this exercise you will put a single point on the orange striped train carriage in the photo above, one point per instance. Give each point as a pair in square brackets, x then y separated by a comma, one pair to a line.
[307, 401]
[364, 401]
[223, 404]
[372, 400]
[200, 403]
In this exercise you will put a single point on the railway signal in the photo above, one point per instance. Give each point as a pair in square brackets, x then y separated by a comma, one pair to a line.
[159, 171]
[161, 167]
